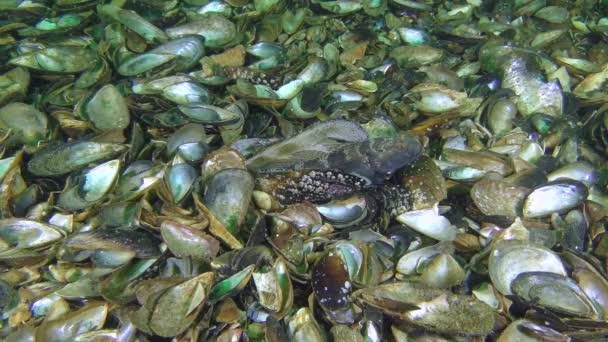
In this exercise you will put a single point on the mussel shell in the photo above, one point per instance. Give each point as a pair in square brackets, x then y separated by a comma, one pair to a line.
[428, 222]
[509, 258]
[73, 323]
[28, 124]
[106, 109]
[497, 197]
[187, 134]
[185, 93]
[142, 243]
[188, 49]
[292, 153]
[228, 196]
[91, 187]
[310, 185]
[581, 171]
[408, 263]
[443, 271]
[143, 63]
[424, 181]
[58, 59]
[72, 155]
[179, 179]
[215, 28]
[175, 309]
[332, 288]
[303, 216]
[24, 233]
[209, 115]
[302, 326]
[431, 309]
[347, 212]
[523, 330]
[231, 285]
[556, 196]
[330, 282]
[274, 288]
[555, 292]
[185, 241]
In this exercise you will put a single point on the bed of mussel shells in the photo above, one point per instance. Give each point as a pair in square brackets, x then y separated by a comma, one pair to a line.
[274, 170]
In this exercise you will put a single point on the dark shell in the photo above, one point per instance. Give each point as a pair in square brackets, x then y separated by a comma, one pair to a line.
[330, 282]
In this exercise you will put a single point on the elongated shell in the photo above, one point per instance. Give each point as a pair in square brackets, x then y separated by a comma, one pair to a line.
[92, 187]
[228, 197]
[554, 197]
[60, 59]
[510, 258]
[23, 233]
[433, 309]
[72, 156]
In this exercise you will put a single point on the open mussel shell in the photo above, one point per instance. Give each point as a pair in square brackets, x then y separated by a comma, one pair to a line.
[484, 160]
[73, 156]
[208, 114]
[432, 309]
[185, 52]
[347, 212]
[432, 265]
[111, 247]
[228, 195]
[345, 333]
[134, 22]
[89, 318]
[590, 279]
[527, 331]
[429, 223]
[424, 180]
[185, 241]
[331, 286]
[106, 109]
[27, 124]
[137, 179]
[91, 187]
[295, 109]
[498, 197]
[145, 63]
[509, 258]
[183, 93]
[274, 288]
[177, 308]
[302, 326]
[16, 83]
[146, 86]
[302, 216]
[326, 135]
[555, 292]
[408, 264]
[188, 50]
[24, 233]
[232, 285]
[58, 59]
[443, 271]
[179, 180]
[461, 173]
[231, 262]
[190, 141]
[193, 152]
[556, 196]
[581, 171]
[215, 28]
